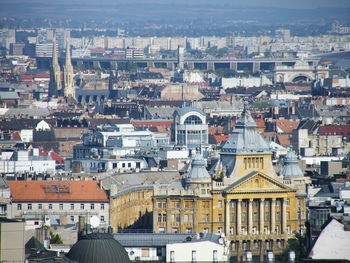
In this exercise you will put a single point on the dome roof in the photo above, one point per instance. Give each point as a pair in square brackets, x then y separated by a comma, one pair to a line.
[198, 171]
[98, 247]
[291, 167]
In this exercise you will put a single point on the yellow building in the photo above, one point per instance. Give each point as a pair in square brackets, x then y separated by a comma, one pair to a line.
[244, 199]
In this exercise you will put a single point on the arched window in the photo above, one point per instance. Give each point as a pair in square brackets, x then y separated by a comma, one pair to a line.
[193, 119]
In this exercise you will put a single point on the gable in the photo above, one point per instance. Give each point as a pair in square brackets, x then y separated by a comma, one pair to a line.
[257, 182]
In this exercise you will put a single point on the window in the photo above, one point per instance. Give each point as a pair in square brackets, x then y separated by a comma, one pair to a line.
[277, 229]
[188, 230]
[129, 165]
[60, 206]
[278, 216]
[50, 206]
[92, 206]
[123, 165]
[219, 230]
[164, 217]
[193, 120]
[194, 255]
[29, 206]
[40, 206]
[102, 206]
[177, 218]
[175, 230]
[215, 255]
[219, 204]
[206, 230]
[185, 219]
[220, 217]
[82, 206]
[72, 218]
[231, 230]
[159, 218]
[177, 204]
[102, 218]
[71, 206]
[172, 256]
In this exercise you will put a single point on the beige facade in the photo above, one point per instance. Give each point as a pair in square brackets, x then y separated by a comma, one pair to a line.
[244, 200]
[12, 241]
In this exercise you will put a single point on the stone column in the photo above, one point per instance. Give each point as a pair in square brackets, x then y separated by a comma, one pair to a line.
[250, 216]
[284, 216]
[239, 217]
[273, 215]
[227, 217]
[262, 203]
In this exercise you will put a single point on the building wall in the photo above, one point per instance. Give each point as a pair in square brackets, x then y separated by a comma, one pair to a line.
[132, 208]
[67, 213]
[196, 251]
[12, 242]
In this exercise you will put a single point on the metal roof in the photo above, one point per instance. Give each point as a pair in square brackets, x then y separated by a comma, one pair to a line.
[290, 167]
[160, 240]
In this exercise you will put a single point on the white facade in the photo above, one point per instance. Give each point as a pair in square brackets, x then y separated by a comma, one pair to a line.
[197, 251]
[26, 162]
[143, 253]
[67, 212]
[245, 82]
[332, 243]
[26, 135]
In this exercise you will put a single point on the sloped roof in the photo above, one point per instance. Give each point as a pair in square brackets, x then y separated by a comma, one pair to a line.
[290, 167]
[57, 191]
[245, 138]
[286, 126]
[332, 243]
[343, 130]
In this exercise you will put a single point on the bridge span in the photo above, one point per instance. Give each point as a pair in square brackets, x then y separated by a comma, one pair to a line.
[238, 64]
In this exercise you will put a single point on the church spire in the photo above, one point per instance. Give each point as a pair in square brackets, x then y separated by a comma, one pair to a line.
[69, 90]
[55, 73]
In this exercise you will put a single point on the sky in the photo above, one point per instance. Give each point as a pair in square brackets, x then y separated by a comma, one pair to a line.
[295, 4]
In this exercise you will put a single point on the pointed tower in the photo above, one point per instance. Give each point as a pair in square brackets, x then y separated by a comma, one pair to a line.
[69, 90]
[246, 151]
[55, 74]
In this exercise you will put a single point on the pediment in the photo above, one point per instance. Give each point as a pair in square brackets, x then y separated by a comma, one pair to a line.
[256, 182]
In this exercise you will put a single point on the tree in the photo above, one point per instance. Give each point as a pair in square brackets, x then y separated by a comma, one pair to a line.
[298, 244]
[55, 239]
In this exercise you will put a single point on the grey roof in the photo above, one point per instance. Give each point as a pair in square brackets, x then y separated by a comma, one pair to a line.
[31, 112]
[290, 167]
[3, 184]
[198, 170]
[97, 248]
[162, 113]
[246, 138]
[160, 240]
[184, 110]
[9, 95]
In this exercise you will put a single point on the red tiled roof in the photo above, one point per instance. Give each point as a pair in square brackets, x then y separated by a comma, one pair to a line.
[150, 123]
[219, 138]
[54, 156]
[343, 130]
[215, 129]
[57, 191]
[286, 125]
[284, 139]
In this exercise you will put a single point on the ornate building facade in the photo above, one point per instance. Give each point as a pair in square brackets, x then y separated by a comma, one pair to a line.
[244, 199]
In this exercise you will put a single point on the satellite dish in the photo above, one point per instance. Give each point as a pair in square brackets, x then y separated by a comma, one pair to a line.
[94, 221]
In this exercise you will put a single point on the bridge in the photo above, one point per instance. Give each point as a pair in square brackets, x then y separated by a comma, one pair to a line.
[252, 65]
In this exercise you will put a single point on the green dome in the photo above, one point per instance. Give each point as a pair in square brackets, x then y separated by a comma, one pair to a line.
[96, 248]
